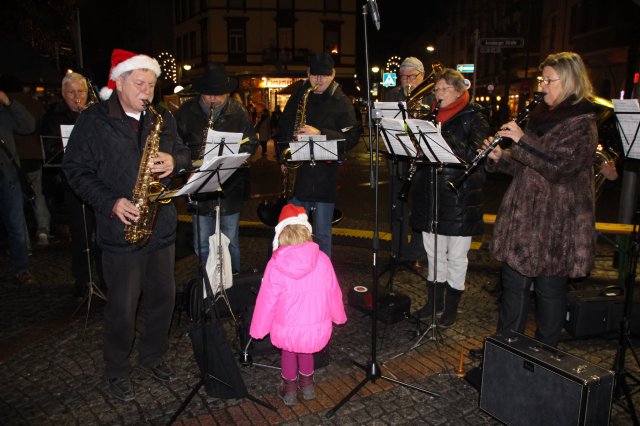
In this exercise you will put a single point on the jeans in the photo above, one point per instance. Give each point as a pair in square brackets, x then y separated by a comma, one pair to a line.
[551, 303]
[321, 223]
[13, 219]
[229, 225]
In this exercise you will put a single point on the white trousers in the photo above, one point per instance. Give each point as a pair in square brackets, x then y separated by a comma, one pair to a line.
[452, 258]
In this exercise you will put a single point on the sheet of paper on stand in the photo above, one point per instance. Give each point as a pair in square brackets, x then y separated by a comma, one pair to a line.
[628, 118]
[222, 167]
[390, 109]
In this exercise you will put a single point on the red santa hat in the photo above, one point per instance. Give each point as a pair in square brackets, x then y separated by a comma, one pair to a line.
[290, 215]
[123, 61]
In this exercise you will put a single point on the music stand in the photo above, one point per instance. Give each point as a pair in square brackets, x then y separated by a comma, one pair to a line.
[431, 150]
[209, 178]
[628, 123]
[398, 146]
[53, 148]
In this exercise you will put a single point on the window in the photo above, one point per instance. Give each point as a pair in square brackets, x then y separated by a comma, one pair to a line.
[552, 32]
[285, 4]
[192, 44]
[285, 43]
[179, 48]
[332, 6]
[331, 40]
[236, 40]
[185, 46]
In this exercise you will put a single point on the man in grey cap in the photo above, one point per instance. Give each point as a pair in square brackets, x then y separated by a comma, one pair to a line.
[410, 75]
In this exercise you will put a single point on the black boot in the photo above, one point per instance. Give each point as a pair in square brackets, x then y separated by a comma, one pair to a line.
[451, 303]
[433, 290]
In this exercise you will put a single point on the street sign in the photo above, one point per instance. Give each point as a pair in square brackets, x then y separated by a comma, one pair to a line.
[502, 42]
[389, 79]
[490, 49]
[465, 68]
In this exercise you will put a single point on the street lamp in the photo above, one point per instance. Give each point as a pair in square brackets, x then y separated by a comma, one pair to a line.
[430, 48]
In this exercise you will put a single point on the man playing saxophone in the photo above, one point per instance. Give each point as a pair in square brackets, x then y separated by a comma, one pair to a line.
[215, 109]
[101, 163]
[328, 111]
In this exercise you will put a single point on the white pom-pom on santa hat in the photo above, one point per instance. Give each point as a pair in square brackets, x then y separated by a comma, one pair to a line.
[290, 215]
[123, 61]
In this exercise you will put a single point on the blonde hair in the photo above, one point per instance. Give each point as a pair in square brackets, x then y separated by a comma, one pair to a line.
[292, 235]
[572, 73]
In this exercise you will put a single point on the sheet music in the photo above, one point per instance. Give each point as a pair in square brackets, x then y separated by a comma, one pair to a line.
[428, 134]
[323, 149]
[65, 132]
[226, 166]
[397, 141]
[232, 141]
[389, 109]
[628, 117]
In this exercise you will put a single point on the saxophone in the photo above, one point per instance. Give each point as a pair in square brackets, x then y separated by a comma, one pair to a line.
[289, 180]
[146, 186]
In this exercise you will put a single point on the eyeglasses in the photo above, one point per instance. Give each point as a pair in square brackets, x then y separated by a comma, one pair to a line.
[546, 81]
[409, 77]
[442, 89]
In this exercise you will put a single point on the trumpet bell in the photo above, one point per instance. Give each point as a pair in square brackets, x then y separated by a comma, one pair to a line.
[269, 211]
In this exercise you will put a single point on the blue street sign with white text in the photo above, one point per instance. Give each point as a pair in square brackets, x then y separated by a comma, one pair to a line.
[466, 68]
[389, 79]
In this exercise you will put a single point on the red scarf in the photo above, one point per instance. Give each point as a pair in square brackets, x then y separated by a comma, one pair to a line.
[445, 113]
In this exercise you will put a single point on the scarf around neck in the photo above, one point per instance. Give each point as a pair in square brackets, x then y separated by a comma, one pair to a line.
[544, 118]
[445, 113]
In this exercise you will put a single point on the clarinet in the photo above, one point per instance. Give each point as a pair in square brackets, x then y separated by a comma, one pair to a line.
[457, 182]
[403, 195]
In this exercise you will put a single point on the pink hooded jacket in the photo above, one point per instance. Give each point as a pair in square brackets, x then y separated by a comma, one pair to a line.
[299, 298]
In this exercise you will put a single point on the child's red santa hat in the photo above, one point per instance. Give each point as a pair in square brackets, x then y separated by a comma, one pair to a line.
[123, 61]
[290, 215]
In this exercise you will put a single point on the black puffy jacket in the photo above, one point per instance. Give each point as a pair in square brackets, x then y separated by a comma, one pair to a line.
[192, 121]
[459, 213]
[101, 163]
[332, 113]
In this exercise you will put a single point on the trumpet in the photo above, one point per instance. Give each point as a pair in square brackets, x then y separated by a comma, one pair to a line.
[456, 183]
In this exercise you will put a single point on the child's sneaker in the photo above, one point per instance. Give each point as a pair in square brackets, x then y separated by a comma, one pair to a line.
[307, 386]
[287, 392]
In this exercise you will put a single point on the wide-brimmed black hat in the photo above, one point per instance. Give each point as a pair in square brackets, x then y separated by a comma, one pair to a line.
[321, 64]
[215, 81]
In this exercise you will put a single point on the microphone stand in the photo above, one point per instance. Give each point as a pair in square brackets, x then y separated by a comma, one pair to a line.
[372, 369]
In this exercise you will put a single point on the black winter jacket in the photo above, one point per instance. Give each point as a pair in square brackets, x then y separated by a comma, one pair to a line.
[332, 113]
[101, 164]
[192, 121]
[459, 214]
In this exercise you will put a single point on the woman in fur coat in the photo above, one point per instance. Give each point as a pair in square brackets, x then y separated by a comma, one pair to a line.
[545, 224]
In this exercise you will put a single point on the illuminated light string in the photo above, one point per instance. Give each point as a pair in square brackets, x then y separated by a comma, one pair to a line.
[168, 66]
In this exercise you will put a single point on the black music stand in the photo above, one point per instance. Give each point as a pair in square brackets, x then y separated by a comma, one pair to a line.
[372, 369]
[433, 151]
[398, 146]
[628, 123]
[52, 150]
[207, 180]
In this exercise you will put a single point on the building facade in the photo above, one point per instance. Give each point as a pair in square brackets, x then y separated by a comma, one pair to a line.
[265, 43]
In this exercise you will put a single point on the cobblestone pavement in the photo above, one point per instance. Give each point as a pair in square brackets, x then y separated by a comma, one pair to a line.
[52, 372]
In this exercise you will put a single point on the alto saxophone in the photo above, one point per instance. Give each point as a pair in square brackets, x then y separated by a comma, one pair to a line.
[147, 186]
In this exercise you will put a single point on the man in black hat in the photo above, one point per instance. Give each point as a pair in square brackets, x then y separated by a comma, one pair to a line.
[328, 112]
[214, 108]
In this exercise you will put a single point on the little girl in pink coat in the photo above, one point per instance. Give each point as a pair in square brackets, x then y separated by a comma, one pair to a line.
[299, 299]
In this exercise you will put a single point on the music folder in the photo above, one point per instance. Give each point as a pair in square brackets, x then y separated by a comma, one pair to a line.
[628, 122]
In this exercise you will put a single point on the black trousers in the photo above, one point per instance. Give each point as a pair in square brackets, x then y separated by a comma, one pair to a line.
[76, 218]
[551, 304]
[130, 276]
